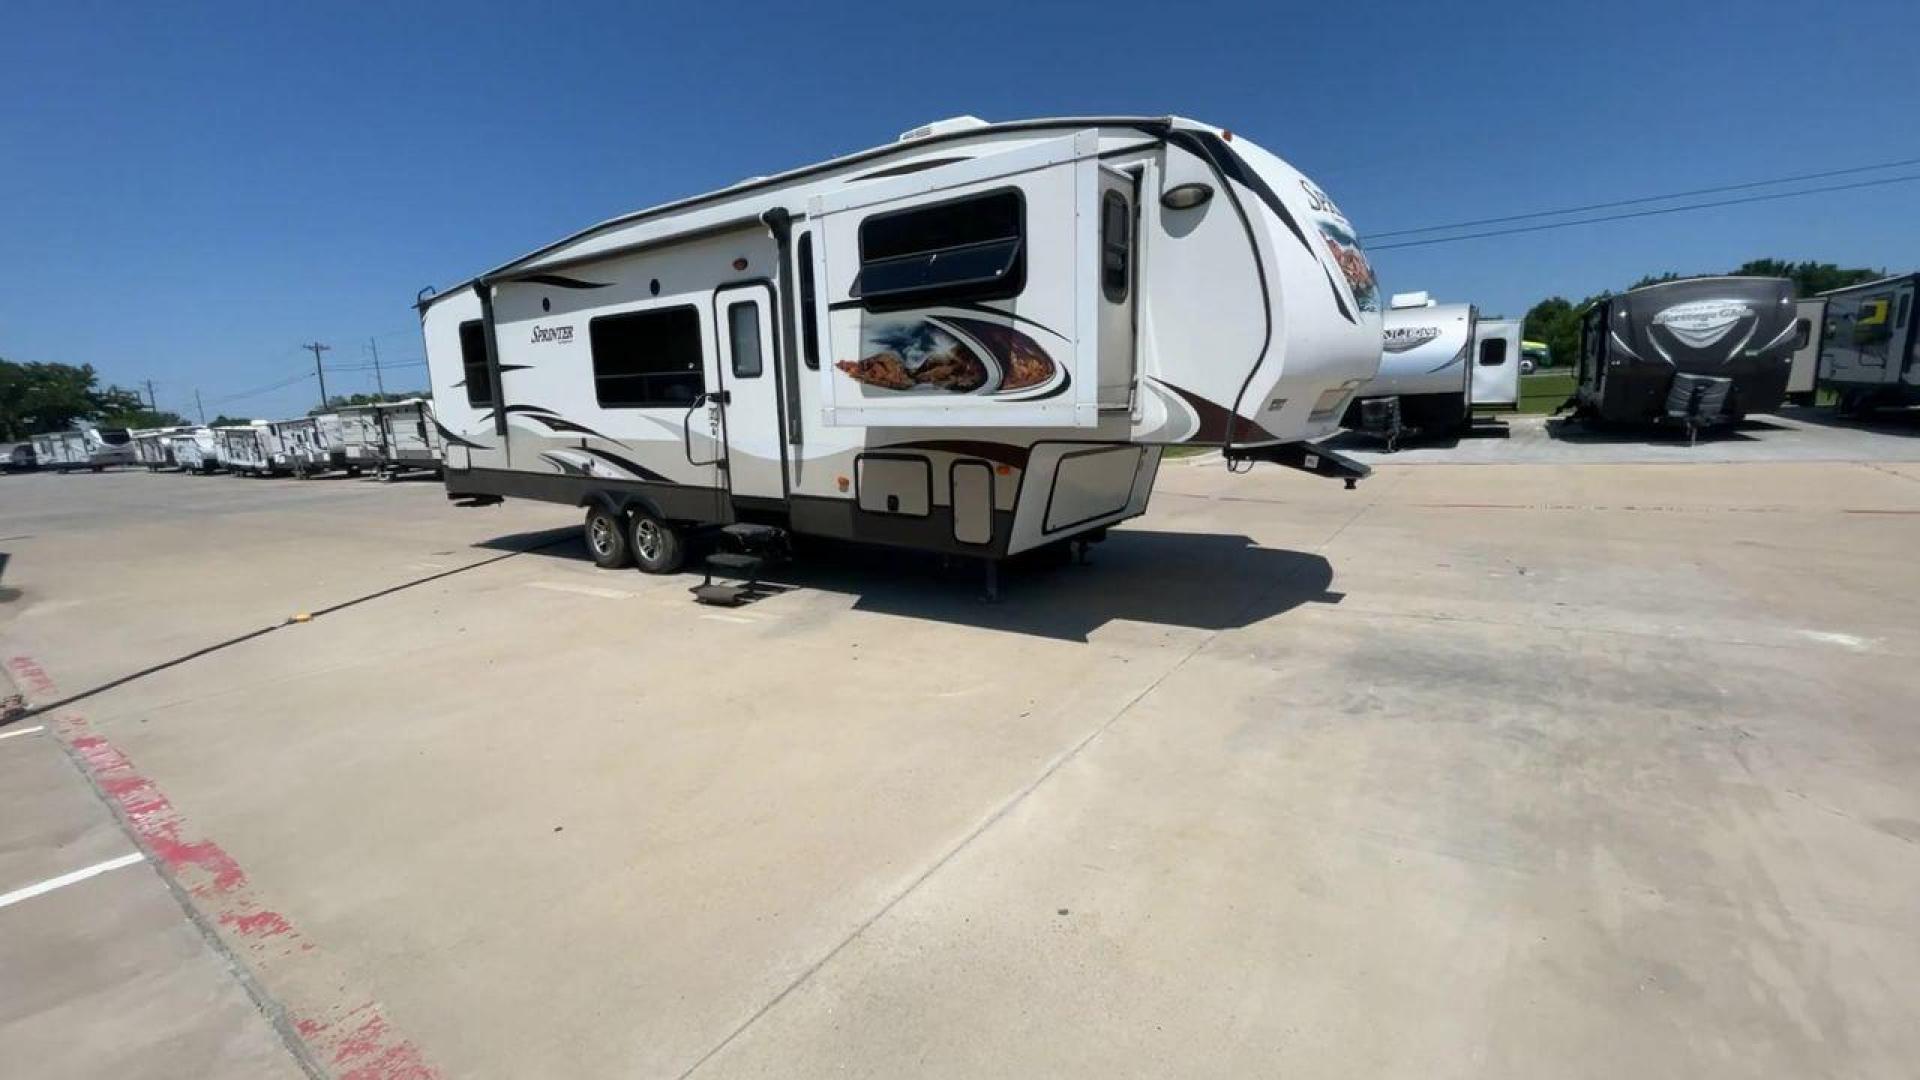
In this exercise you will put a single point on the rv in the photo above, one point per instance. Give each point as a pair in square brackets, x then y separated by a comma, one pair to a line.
[300, 447]
[1809, 333]
[85, 447]
[975, 340]
[246, 449]
[1870, 355]
[194, 449]
[1438, 362]
[1422, 382]
[1695, 352]
[153, 447]
[361, 438]
[408, 437]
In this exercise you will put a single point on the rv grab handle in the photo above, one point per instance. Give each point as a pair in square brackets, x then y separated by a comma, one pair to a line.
[686, 426]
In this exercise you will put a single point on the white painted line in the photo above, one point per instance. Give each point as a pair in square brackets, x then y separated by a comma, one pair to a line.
[64, 880]
[744, 620]
[581, 590]
[23, 731]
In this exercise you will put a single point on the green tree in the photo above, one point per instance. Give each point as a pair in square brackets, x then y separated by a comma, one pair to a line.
[1809, 277]
[339, 401]
[37, 397]
[223, 420]
[1555, 322]
[144, 418]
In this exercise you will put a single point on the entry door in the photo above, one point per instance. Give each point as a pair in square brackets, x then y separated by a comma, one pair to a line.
[1496, 363]
[750, 409]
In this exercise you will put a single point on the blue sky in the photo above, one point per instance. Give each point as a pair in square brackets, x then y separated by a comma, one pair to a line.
[189, 192]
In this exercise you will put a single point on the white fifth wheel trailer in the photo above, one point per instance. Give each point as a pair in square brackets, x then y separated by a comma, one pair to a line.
[194, 450]
[975, 340]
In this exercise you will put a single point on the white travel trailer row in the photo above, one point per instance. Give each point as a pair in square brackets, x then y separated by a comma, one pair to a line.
[1438, 363]
[391, 437]
[85, 447]
[975, 340]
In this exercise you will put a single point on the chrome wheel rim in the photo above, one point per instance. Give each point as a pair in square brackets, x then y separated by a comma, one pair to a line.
[600, 535]
[646, 539]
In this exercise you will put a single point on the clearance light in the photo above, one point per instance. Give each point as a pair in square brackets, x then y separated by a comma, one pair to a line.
[1186, 196]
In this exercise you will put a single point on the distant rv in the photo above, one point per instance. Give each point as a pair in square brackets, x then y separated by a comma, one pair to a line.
[84, 447]
[1870, 351]
[1438, 362]
[1694, 352]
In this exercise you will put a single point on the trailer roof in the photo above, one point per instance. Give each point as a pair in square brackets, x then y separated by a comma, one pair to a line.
[760, 183]
[1874, 284]
[1702, 277]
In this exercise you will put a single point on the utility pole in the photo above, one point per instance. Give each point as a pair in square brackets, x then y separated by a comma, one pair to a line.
[152, 402]
[378, 383]
[199, 408]
[318, 370]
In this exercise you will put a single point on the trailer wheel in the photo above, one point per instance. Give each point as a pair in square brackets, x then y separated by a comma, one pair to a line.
[607, 538]
[658, 547]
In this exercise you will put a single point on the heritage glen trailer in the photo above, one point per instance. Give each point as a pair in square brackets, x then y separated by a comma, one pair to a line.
[85, 447]
[1809, 332]
[1870, 355]
[975, 340]
[194, 449]
[1696, 351]
[1424, 380]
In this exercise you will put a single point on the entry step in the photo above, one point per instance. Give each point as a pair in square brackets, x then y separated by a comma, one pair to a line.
[727, 562]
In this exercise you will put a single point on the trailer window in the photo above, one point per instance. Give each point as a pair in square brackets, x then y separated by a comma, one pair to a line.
[1116, 246]
[963, 249]
[473, 361]
[1802, 333]
[743, 338]
[809, 319]
[647, 358]
[1493, 352]
[1906, 303]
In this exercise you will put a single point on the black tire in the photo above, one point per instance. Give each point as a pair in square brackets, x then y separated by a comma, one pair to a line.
[658, 548]
[353, 472]
[607, 541]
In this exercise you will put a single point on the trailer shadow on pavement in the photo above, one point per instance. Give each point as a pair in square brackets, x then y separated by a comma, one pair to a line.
[1483, 428]
[1884, 421]
[1203, 581]
[1569, 430]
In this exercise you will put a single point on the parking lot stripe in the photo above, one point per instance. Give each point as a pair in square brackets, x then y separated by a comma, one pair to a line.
[64, 880]
[23, 731]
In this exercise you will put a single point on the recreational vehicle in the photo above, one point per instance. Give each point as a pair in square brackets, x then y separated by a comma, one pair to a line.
[361, 438]
[194, 450]
[85, 447]
[974, 340]
[1870, 357]
[408, 438]
[299, 446]
[1695, 352]
[1425, 380]
[153, 447]
[1809, 333]
[246, 449]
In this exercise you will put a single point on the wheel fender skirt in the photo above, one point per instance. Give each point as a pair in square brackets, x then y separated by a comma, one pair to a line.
[1306, 457]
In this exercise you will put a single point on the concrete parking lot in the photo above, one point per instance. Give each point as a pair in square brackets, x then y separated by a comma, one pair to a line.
[1485, 769]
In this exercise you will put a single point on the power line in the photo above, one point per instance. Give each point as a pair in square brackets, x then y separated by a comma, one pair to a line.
[1646, 213]
[268, 389]
[1368, 238]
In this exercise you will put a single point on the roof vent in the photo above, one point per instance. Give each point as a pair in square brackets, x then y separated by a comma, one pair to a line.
[942, 127]
[1410, 300]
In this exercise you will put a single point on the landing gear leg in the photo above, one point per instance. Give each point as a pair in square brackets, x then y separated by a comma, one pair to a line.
[991, 587]
[1080, 549]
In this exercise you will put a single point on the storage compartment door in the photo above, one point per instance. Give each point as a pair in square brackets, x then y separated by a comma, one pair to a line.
[964, 295]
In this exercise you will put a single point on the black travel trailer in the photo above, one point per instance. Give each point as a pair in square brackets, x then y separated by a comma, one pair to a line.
[1693, 352]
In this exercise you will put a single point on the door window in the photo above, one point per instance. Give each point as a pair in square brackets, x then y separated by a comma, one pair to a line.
[1493, 352]
[1116, 247]
[743, 338]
